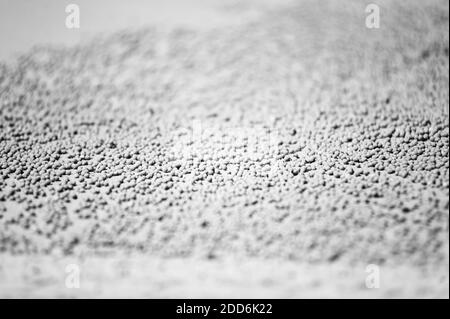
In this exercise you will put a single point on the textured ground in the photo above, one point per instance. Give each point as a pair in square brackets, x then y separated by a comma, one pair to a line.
[297, 145]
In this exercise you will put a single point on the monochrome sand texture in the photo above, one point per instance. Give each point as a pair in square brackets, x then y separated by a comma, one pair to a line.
[275, 158]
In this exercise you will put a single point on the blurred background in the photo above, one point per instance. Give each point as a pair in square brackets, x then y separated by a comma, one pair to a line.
[26, 23]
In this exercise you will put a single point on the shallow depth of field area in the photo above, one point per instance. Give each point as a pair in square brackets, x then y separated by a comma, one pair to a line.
[279, 157]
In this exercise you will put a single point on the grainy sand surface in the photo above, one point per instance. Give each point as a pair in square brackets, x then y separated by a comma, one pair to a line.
[274, 158]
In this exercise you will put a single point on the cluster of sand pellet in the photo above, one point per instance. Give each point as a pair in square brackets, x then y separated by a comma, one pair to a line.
[303, 136]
